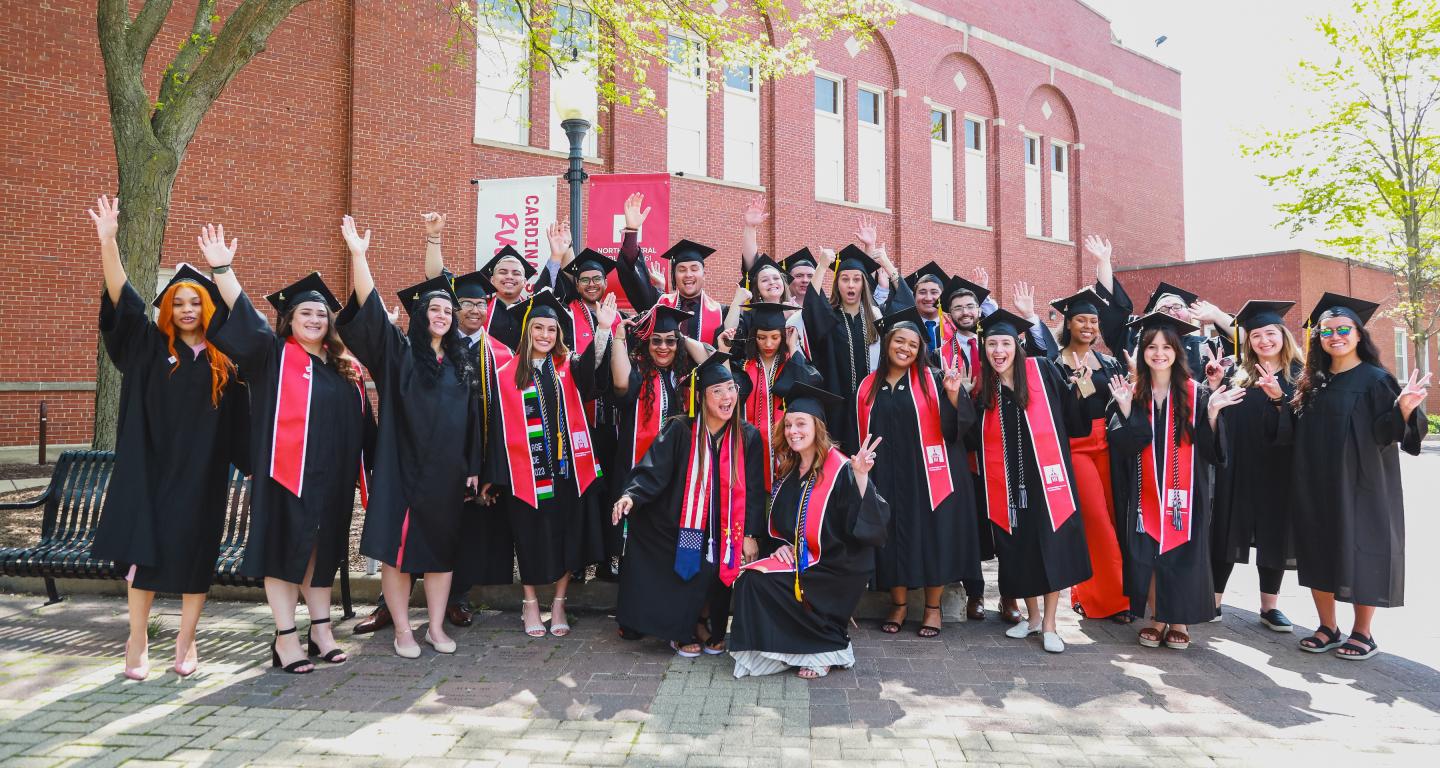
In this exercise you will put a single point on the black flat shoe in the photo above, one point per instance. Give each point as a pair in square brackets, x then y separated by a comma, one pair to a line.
[335, 654]
[300, 667]
[1276, 621]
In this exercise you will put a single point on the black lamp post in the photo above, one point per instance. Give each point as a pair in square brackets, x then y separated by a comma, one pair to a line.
[575, 129]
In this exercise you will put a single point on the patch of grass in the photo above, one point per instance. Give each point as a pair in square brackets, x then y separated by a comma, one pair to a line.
[1434, 419]
[153, 627]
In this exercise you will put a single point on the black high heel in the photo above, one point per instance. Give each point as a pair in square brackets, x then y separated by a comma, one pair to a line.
[314, 650]
[293, 667]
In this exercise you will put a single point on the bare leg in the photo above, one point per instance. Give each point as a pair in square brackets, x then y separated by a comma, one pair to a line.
[396, 586]
[1052, 600]
[1325, 606]
[1150, 608]
[1364, 614]
[190, 607]
[137, 647]
[557, 606]
[437, 599]
[899, 597]
[282, 597]
[317, 602]
[1032, 612]
[933, 596]
[530, 612]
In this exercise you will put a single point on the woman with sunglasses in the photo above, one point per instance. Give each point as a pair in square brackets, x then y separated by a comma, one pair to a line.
[1348, 421]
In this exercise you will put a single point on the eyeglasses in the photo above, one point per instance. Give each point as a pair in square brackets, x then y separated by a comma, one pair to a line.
[596, 280]
[1343, 330]
[656, 341]
[471, 304]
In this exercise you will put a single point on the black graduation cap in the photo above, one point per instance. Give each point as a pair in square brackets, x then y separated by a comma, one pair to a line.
[762, 261]
[1158, 319]
[1358, 310]
[806, 398]
[909, 315]
[957, 284]
[411, 297]
[929, 270]
[687, 250]
[667, 318]
[508, 252]
[474, 285]
[768, 316]
[799, 258]
[1165, 288]
[1086, 302]
[184, 273]
[1003, 322]
[852, 257]
[1258, 314]
[307, 288]
[589, 260]
[542, 304]
[715, 370]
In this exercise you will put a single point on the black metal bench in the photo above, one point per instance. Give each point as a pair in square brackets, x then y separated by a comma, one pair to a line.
[72, 504]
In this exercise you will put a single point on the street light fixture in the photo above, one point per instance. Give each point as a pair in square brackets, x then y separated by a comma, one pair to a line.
[573, 122]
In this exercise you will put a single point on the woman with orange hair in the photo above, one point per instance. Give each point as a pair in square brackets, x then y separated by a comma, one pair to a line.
[182, 422]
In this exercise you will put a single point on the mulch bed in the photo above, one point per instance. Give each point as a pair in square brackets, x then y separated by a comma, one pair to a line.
[25, 471]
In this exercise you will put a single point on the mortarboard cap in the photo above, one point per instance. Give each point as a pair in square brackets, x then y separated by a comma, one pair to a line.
[507, 252]
[1160, 319]
[958, 284]
[589, 260]
[542, 304]
[767, 316]
[411, 298]
[1358, 310]
[805, 398]
[1086, 302]
[687, 250]
[931, 270]
[909, 315]
[761, 262]
[1003, 322]
[1258, 314]
[802, 257]
[184, 273]
[307, 288]
[715, 370]
[1166, 289]
[852, 257]
[474, 285]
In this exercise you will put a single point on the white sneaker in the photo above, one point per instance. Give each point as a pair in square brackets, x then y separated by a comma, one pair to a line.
[1022, 630]
[1053, 643]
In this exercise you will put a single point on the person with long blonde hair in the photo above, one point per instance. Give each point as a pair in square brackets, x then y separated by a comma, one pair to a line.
[182, 422]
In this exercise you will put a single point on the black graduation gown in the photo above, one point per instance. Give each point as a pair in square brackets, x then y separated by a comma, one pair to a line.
[635, 281]
[627, 406]
[489, 546]
[927, 546]
[654, 600]
[1122, 340]
[1035, 560]
[1252, 490]
[1345, 494]
[284, 528]
[428, 444]
[561, 536]
[165, 508]
[837, 340]
[767, 617]
[1184, 586]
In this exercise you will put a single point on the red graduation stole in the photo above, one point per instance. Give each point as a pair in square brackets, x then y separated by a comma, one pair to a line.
[710, 317]
[290, 437]
[932, 442]
[1170, 526]
[517, 439]
[648, 418]
[694, 512]
[584, 337]
[815, 503]
[764, 410]
[1046, 441]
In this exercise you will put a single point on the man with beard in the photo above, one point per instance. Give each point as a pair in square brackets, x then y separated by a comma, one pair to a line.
[687, 277]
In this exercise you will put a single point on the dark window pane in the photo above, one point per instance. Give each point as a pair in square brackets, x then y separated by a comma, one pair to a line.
[826, 95]
[868, 104]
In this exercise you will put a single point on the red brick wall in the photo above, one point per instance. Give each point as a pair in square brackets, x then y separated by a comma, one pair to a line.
[339, 113]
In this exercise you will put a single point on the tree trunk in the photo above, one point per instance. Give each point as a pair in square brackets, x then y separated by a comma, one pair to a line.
[147, 177]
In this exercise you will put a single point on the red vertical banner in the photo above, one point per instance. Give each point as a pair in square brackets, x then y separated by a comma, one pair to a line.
[605, 219]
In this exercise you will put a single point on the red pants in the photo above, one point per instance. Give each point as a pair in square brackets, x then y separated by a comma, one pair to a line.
[1104, 593]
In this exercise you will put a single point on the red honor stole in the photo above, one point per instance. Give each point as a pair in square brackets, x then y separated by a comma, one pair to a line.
[584, 337]
[648, 419]
[814, 502]
[290, 437]
[1170, 526]
[927, 416]
[700, 475]
[710, 317]
[1046, 441]
[764, 410]
[517, 439]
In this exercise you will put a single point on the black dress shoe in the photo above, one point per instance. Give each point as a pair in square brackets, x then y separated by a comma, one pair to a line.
[975, 609]
[459, 615]
[378, 620]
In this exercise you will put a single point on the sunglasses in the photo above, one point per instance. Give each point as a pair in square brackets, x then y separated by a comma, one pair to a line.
[656, 341]
[1344, 330]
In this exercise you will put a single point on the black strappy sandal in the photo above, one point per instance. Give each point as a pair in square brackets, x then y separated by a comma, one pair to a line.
[294, 667]
[893, 627]
[1324, 639]
[927, 631]
[1358, 648]
[333, 657]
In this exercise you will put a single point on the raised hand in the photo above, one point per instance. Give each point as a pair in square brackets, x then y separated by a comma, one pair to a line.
[742, 294]
[622, 508]
[605, 315]
[1025, 299]
[1269, 382]
[434, 223]
[865, 232]
[558, 233]
[1098, 247]
[212, 246]
[1413, 394]
[106, 215]
[1206, 312]
[884, 259]
[725, 340]
[1123, 393]
[1223, 398]
[357, 244]
[792, 338]
[755, 214]
[981, 277]
[953, 381]
[394, 314]
[864, 459]
[635, 213]
[657, 275]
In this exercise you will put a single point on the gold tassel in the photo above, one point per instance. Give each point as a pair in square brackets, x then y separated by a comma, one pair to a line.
[692, 391]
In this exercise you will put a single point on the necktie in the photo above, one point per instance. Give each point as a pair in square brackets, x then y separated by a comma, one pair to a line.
[930, 329]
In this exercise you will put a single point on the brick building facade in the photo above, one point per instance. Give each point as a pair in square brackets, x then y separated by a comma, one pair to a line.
[341, 114]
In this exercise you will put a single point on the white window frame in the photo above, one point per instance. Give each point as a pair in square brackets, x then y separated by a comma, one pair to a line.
[1402, 354]
[742, 131]
[691, 79]
[1060, 190]
[942, 164]
[1423, 364]
[496, 59]
[582, 70]
[871, 179]
[1034, 212]
[827, 122]
[977, 173]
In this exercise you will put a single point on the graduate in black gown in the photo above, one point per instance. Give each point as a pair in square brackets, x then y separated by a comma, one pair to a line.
[793, 608]
[842, 332]
[765, 282]
[695, 516]
[310, 421]
[922, 416]
[428, 452]
[687, 277]
[511, 275]
[1252, 504]
[182, 422]
[1165, 434]
[1348, 422]
[540, 450]
[1029, 412]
